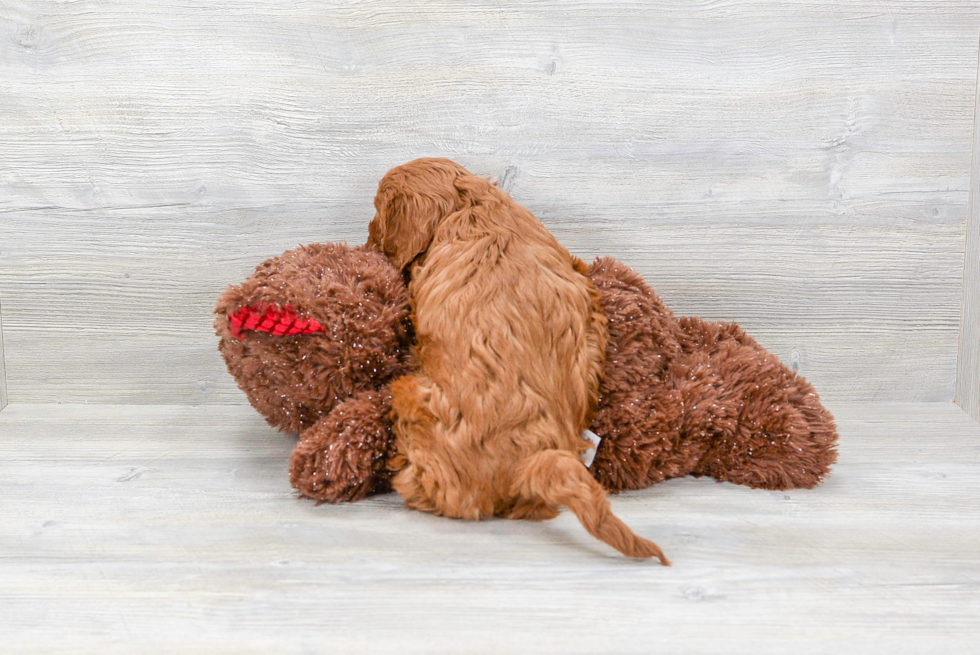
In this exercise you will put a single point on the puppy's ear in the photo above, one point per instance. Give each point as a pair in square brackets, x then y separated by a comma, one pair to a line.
[404, 225]
[474, 190]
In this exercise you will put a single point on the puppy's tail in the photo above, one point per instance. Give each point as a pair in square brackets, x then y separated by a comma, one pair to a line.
[557, 477]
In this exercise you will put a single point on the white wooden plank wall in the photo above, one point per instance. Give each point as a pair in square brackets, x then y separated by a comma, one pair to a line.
[801, 167]
[968, 363]
[3, 377]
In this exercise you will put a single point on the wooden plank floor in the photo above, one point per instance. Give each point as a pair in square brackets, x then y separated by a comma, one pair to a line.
[174, 529]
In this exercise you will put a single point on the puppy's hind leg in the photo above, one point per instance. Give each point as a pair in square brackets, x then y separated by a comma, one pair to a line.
[428, 479]
[412, 425]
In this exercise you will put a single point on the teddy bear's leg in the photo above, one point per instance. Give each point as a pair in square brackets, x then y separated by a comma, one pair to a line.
[641, 436]
[773, 433]
[344, 456]
[662, 425]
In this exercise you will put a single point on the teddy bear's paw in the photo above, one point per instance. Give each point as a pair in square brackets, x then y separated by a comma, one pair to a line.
[344, 456]
[321, 471]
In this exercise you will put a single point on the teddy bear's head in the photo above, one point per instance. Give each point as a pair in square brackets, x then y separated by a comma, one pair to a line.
[311, 327]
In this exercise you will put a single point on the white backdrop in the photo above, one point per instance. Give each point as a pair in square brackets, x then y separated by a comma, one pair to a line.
[799, 167]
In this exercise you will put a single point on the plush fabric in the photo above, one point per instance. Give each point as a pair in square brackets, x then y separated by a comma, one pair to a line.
[678, 396]
[689, 397]
[360, 302]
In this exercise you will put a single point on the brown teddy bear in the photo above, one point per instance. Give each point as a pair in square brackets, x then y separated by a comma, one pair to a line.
[315, 336]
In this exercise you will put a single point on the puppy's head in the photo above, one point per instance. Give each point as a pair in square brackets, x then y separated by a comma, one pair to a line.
[411, 202]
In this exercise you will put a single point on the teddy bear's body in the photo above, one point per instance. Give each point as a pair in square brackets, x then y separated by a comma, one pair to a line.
[314, 338]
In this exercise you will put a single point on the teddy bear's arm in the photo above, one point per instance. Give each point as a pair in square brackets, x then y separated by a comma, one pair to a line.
[343, 456]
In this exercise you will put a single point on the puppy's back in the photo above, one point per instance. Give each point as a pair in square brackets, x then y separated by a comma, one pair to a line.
[509, 326]
[511, 341]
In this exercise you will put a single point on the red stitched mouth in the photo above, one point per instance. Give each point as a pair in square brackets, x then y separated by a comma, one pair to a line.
[271, 318]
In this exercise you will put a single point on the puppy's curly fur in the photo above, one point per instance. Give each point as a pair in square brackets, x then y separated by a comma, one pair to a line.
[510, 346]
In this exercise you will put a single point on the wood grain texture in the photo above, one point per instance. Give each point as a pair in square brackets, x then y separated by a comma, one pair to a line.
[968, 362]
[173, 529]
[3, 377]
[799, 167]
